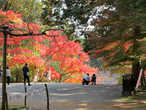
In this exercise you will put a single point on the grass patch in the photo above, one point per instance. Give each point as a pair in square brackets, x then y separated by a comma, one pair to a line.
[137, 102]
[18, 108]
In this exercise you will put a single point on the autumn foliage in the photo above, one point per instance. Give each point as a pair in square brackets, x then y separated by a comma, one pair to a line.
[65, 59]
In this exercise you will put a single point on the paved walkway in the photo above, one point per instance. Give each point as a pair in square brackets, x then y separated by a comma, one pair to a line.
[72, 97]
[63, 96]
[104, 96]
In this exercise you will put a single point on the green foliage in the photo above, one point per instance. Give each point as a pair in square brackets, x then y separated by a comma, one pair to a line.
[119, 21]
[16, 74]
[51, 12]
[51, 17]
[96, 63]
[66, 15]
[30, 9]
[120, 79]
[78, 9]
[18, 108]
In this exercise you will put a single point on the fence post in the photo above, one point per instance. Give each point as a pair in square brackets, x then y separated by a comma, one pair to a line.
[25, 98]
[47, 96]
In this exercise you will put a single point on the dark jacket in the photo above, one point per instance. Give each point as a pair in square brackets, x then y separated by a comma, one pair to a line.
[25, 70]
[93, 78]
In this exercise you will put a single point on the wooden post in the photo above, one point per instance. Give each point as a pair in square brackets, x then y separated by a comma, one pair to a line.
[139, 79]
[47, 96]
[25, 98]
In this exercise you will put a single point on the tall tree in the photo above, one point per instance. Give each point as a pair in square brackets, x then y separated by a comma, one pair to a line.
[120, 33]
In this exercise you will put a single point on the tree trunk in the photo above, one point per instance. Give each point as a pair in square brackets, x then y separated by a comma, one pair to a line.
[4, 73]
[7, 102]
[136, 64]
[135, 72]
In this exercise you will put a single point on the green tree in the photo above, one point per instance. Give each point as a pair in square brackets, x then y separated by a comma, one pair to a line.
[120, 33]
[71, 16]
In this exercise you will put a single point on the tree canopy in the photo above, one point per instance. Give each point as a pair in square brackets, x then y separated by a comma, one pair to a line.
[46, 52]
[119, 34]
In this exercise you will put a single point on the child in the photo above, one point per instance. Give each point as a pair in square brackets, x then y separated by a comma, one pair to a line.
[93, 79]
